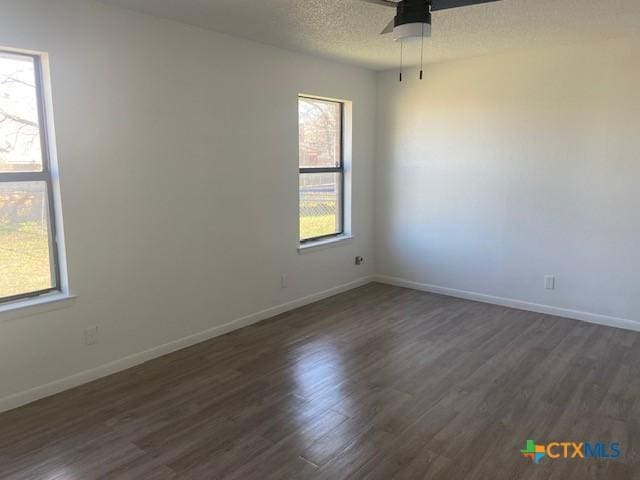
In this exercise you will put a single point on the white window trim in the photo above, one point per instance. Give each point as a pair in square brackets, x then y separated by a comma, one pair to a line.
[324, 244]
[35, 306]
[61, 297]
[347, 152]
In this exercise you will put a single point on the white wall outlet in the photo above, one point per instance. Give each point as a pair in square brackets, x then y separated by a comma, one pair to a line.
[550, 282]
[284, 281]
[91, 336]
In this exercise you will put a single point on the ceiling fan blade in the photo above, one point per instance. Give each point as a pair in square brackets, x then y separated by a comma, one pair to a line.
[445, 4]
[386, 3]
[389, 28]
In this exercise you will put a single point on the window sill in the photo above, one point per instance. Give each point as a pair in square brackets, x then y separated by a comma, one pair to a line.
[324, 244]
[35, 306]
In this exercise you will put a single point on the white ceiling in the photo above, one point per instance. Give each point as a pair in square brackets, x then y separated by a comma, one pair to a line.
[348, 30]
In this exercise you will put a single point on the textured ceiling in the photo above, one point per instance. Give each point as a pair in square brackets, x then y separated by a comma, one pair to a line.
[348, 30]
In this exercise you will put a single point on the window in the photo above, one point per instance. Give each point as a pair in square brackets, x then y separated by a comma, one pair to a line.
[28, 252]
[321, 168]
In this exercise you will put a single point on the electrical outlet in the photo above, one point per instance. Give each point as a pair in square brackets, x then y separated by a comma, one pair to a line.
[550, 282]
[284, 281]
[359, 261]
[91, 336]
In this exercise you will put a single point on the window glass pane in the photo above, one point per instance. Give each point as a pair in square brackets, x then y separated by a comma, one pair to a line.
[320, 204]
[320, 133]
[25, 252]
[19, 130]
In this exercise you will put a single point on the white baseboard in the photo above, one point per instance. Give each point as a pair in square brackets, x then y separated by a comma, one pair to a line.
[512, 303]
[37, 393]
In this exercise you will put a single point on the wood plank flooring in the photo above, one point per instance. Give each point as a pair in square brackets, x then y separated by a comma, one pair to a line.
[377, 383]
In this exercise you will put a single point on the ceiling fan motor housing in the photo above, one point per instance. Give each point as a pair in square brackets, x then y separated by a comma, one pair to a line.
[413, 11]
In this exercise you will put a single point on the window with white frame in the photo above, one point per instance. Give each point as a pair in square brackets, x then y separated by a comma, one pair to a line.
[29, 263]
[322, 174]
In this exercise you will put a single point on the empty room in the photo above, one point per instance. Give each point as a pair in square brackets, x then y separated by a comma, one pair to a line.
[319, 239]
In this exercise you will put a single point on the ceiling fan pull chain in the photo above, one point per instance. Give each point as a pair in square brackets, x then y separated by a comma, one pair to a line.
[422, 54]
[401, 57]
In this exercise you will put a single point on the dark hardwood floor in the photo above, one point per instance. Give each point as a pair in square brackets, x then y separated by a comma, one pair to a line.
[377, 383]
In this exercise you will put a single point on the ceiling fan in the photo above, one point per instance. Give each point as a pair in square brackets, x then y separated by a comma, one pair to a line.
[413, 18]
[414, 15]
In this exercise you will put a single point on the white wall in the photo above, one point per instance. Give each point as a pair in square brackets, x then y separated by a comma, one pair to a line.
[178, 154]
[496, 171]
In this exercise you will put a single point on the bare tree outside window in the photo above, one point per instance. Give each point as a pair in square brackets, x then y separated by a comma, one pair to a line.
[27, 251]
[19, 128]
[321, 168]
